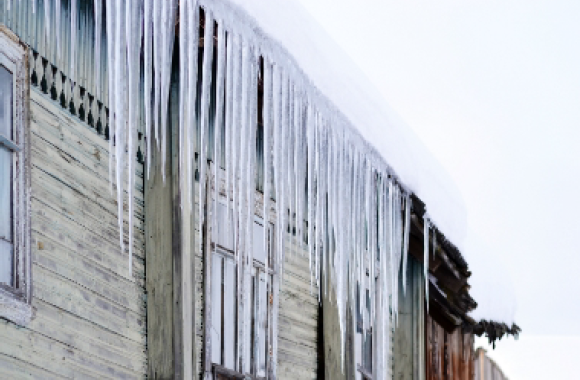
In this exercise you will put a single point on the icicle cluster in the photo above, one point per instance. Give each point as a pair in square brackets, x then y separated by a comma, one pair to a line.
[348, 205]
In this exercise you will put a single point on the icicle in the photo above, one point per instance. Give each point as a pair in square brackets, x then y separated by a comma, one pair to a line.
[168, 36]
[34, 6]
[283, 163]
[392, 240]
[190, 120]
[318, 208]
[120, 126]
[406, 239]
[133, 33]
[157, 67]
[147, 58]
[341, 302]
[297, 158]
[97, 67]
[276, 156]
[73, 38]
[335, 206]
[288, 116]
[310, 196]
[219, 117]
[47, 19]
[243, 214]
[328, 206]
[426, 257]
[251, 174]
[235, 140]
[204, 111]
[183, 66]
[111, 53]
[266, 123]
[228, 130]
[57, 10]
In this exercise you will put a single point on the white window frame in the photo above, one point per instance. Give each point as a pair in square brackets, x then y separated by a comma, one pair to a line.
[245, 367]
[15, 300]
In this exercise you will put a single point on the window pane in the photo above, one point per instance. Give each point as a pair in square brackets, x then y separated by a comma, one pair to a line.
[216, 309]
[259, 252]
[225, 232]
[230, 297]
[5, 194]
[5, 102]
[6, 264]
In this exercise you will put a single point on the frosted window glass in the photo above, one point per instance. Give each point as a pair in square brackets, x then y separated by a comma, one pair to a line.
[5, 194]
[6, 263]
[5, 103]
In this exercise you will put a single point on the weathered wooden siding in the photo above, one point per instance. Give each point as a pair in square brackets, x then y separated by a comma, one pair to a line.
[449, 356]
[485, 368]
[298, 322]
[90, 314]
[409, 345]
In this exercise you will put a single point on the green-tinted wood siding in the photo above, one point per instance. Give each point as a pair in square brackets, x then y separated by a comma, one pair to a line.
[89, 313]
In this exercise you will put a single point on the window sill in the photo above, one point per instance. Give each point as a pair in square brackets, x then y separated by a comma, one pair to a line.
[15, 308]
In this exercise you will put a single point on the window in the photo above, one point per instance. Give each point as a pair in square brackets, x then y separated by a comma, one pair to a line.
[231, 284]
[364, 332]
[15, 287]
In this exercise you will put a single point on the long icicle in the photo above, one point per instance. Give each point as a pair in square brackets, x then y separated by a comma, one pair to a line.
[168, 36]
[120, 126]
[147, 76]
[111, 54]
[183, 69]
[192, 74]
[426, 257]
[57, 10]
[220, 114]
[406, 239]
[98, 9]
[157, 67]
[266, 123]
[228, 131]
[204, 112]
[73, 39]
[47, 18]
[310, 186]
[133, 52]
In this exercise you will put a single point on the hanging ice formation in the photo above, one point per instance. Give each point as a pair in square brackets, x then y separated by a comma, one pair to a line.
[329, 186]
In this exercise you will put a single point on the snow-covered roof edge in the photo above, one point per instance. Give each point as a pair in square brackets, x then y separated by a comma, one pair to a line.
[338, 87]
[285, 34]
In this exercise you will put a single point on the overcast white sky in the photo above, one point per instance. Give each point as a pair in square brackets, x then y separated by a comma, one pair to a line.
[493, 89]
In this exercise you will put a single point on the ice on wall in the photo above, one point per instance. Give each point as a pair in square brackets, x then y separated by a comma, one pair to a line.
[330, 186]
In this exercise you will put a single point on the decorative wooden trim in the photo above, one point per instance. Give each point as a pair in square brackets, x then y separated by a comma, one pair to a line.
[15, 301]
[73, 98]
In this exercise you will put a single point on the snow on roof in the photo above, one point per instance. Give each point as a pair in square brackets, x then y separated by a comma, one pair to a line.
[289, 31]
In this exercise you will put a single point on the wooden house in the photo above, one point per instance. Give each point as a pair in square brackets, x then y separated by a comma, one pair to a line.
[170, 263]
